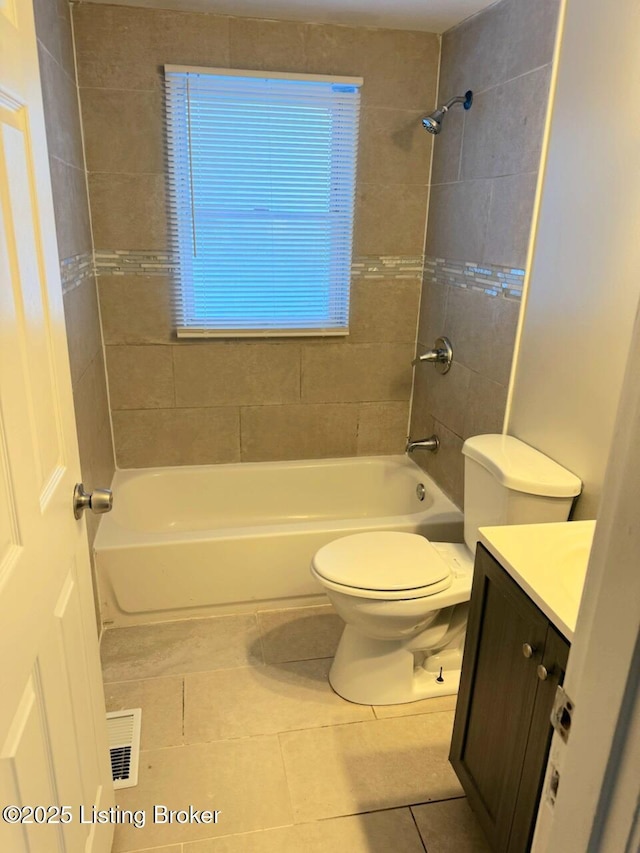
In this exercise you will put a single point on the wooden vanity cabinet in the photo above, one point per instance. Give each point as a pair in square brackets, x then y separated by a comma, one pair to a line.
[502, 730]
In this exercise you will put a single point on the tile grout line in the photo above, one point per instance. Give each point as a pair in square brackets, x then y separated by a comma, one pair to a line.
[415, 822]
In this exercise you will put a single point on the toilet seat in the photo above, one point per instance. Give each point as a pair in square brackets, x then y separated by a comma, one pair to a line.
[385, 565]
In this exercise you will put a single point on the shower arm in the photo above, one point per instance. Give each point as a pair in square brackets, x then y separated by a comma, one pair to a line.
[459, 99]
[466, 100]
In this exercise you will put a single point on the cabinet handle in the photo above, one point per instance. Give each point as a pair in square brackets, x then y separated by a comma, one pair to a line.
[528, 650]
[543, 672]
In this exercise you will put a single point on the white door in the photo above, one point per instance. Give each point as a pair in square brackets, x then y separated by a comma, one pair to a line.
[53, 748]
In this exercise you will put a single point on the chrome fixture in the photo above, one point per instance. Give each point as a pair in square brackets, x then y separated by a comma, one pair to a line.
[98, 501]
[421, 491]
[432, 444]
[433, 122]
[441, 355]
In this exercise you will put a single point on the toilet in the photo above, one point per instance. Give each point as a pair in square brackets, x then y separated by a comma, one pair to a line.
[405, 599]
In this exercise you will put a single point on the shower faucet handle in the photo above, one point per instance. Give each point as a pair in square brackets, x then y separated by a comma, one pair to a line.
[440, 356]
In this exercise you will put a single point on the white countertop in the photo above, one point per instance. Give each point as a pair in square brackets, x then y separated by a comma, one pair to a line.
[548, 561]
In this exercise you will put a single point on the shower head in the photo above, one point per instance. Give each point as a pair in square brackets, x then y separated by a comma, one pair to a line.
[433, 122]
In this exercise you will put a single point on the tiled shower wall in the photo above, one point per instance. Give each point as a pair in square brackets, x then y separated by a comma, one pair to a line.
[73, 228]
[224, 401]
[485, 168]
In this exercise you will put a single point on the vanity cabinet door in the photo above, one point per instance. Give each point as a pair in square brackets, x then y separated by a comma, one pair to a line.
[554, 660]
[497, 705]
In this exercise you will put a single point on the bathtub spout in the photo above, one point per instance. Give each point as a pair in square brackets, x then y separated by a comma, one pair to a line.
[432, 444]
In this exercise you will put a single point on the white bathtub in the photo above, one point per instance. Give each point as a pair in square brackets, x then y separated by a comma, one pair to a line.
[194, 541]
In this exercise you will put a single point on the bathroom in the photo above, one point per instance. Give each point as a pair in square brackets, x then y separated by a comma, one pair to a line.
[455, 234]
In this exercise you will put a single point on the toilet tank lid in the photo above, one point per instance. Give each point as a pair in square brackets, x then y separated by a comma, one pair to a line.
[520, 467]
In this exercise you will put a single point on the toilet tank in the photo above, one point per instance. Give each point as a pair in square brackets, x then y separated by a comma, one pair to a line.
[508, 482]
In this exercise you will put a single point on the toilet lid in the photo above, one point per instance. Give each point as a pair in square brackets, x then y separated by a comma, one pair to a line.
[381, 561]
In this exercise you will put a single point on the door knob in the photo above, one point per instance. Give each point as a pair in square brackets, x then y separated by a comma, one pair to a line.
[98, 501]
[528, 650]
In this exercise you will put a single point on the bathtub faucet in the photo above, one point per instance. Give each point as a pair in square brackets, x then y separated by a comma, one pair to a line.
[432, 443]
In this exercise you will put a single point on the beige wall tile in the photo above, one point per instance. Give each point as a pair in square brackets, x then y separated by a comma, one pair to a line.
[267, 45]
[371, 765]
[243, 778]
[421, 426]
[445, 394]
[364, 833]
[382, 428]
[260, 700]
[399, 67]
[71, 209]
[120, 51]
[136, 309]
[53, 29]
[447, 465]
[486, 405]
[450, 827]
[510, 220]
[301, 431]
[445, 167]
[161, 702]
[140, 377]
[124, 47]
[383, 310]
[503, 130]
[393, 147]
[458, 219]
[157, 437]
[83, 327]
[504, 41]
[60, 98]
[93, 426]
[227, 373]
[356, 372]
[128, 211]
[471, 326]
[123, 130]
[174, 648]
[531, 35]
[300, 633]
[500, 354]
[474, 52]
[390, 219]
[433, 307]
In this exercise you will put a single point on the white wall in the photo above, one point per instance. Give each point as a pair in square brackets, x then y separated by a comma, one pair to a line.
[584, 283]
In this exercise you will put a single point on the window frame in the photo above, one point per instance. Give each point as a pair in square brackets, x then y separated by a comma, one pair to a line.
[184, 286]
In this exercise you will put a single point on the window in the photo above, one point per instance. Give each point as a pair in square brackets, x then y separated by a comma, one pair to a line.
[261, 200]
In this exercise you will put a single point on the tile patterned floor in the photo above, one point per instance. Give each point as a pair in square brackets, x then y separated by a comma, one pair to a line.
[238, 715]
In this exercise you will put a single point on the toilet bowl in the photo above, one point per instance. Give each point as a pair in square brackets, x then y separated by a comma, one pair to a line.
[405, 599]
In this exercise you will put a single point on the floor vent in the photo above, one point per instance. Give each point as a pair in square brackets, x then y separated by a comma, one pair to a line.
[123, 732]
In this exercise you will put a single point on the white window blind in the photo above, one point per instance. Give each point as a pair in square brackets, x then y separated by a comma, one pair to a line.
[262, 185]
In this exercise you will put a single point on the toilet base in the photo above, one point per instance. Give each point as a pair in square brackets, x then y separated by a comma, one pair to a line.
[384, 672]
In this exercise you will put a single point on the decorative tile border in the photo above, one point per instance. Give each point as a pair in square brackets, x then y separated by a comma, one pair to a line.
[485, 278]
[75, 270]
[114, 262]
[387, 266]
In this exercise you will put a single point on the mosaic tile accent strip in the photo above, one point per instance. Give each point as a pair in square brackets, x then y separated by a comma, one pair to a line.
[387, 266]
[114, 262]
[75, 270]
[484, 278]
